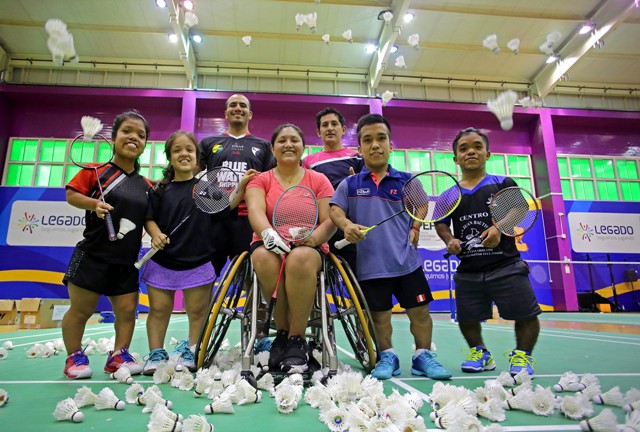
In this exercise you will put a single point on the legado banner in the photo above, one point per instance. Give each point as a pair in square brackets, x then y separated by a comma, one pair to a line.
[604, 232]
[44, 223]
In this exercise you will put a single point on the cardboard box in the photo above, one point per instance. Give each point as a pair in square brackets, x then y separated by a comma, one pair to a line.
[8, 312]
[38, 313]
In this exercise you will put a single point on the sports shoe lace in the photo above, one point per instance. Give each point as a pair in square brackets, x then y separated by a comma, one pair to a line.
[126, 356]
[520, 359]
[386, 360]
[474, 354]
[429, 359]
[80, 358]
[156, 355]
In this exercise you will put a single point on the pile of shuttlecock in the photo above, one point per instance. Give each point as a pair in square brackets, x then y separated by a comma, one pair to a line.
[60, 42]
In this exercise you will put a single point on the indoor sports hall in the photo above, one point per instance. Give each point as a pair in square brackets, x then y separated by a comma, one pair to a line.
[553, 85]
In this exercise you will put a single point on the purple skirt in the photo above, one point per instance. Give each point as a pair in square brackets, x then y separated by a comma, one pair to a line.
[161, 277]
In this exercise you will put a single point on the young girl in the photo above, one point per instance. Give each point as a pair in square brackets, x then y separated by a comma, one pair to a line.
[102, 267]
[184, 261]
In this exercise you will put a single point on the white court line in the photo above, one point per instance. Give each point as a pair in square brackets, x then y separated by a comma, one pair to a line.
[486, 377]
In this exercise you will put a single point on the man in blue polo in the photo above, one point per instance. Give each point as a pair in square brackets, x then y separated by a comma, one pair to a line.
[387, 262]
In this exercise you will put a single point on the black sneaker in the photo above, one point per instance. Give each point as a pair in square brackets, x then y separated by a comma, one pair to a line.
[296, 355]
[278, 347]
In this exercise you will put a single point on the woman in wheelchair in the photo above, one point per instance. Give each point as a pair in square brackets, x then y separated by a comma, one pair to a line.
[297, 287]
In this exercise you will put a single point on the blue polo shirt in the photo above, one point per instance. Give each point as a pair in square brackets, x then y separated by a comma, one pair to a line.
[386, 251]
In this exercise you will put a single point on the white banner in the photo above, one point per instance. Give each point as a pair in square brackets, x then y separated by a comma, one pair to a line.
[605, 232]
[45, 223]
[429, 239]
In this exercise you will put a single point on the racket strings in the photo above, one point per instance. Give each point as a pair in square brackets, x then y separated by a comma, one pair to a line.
[513, 212]
[212, 191]
[295, 214]
[87, 154]
[431, 196]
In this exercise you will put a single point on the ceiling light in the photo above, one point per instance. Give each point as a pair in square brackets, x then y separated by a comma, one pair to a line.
[370, 48]
[173, 38]
[408, 17]
[381, 15]
[188, 4]
[196, 38]
[552, 58]
[587, 27]
[394, 48]
[161, 3]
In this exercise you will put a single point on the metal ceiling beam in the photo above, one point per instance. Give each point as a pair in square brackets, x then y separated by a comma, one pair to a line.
[187, 56]
[606, 16]
[387, 38]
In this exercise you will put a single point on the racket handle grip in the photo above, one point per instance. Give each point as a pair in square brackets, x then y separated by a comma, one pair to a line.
[462, 245]
[341, 243]
[109, 222]
[145, 258]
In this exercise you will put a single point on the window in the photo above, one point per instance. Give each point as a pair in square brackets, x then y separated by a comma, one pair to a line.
[599, 178]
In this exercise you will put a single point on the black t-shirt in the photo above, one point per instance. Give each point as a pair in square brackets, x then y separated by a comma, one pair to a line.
[471, 218]
[127, 193]
[192, 244]
[237, 154]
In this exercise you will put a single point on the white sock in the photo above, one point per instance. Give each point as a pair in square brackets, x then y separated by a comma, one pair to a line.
[193, 348]
[420, 351]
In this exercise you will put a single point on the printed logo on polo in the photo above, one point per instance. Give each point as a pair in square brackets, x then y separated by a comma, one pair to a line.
[255, 150]
[216, 148]
[363, 191]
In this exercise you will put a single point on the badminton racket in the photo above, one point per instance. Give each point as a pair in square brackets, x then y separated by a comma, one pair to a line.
[88, 154]
[295, 217]
[211, 194]
[427, 197]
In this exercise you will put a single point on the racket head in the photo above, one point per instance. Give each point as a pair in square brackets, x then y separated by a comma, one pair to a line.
[431, 196]
[295, 214]
[213, 190]
[514, 211]
[91, 154]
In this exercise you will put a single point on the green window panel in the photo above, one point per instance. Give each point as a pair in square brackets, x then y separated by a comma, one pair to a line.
[525, 183]
[315, 150]
[105, 152]
[144, 171]
[584, 190]
[562, 167]
[495, 165]
[20, 175]
[630, 191]
[627, 169]
[419, 161]
[518, 165]
[24, 150]
[444, 162]
[603, 168]
[580, 168]
[157, 173]
[52, 151]
[49, 175]
[83, 152]
[159, 158]
[398, 160]
[607, 191]
[566, 189]
[145, 157]
[72, 170]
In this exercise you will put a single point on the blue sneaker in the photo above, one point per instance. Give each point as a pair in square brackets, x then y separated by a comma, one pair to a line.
[262, 345]
[388, 365]
[478, 360]
[186, 355]
[426, 364]
[519, 360]
[153, 359]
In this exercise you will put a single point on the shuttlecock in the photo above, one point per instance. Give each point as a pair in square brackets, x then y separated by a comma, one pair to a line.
[222, 405]
[414, 41]
[266, 383]
[3, 354]
[522, 401]
[123, 375]
[108, 400]
[387, 96]
[575, 407]
[286, 399]
[514, 45]
[632, 422]
[632, 395]
[530, 102]
[604, 422]
[125, 227]
[84, 396]
[246, 40]
[335, 419]
[465, 423]
[387, 17]
[163, 420]
[492, 410]
[553, 38]
[152, 399]
[90, 127]
[502, 107]
[543, 402]
[4, 397]
[348, 35]
[8, 345]
[612, 397]
[491, 42]
[132, 394]
[400, 62]
[197, 423]
[311, 19]
[589, 380]
[633, 406]
[301, 19]
[546, 48]
[60, 42]
[67, 410]
[190, 19]
[34, 351]
[326, 37]
[296, 379]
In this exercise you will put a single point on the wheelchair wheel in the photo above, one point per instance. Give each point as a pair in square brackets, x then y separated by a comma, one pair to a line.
[226, 301]
[349, 306]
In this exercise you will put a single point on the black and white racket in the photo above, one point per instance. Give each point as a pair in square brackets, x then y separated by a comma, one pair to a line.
[427, 197]
[211, 194]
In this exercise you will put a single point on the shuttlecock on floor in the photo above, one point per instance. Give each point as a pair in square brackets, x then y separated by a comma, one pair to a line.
[163, 420]
[35, 351]
[132, 394]
[612, 397]
[632, 422]
[125, 227]
[197, 423]
[108, 400]
[123, 375]
[633, 406]
[66, 410]
[502, 108]
[222, 405]
[543, 402]
[3, 354]
[589, 380]
[606, 421]
[84, 396]
[4, 397]
[522, 401]
[576, 407]
[152, 399]
[8, 345]
[286, 399]
[569, 382]
[492, 410]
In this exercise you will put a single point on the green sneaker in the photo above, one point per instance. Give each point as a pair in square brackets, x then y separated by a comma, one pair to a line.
[478, 360]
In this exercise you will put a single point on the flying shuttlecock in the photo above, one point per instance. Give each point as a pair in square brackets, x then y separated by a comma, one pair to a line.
[311, 21]
[387, 17]
[502, 107]
[301, 19]
[108, 400]
[414, 41]
[60, 42]
[66, 410]
[190, 19]
[514, 45]
[603, 422]
[400, 62]
[530, 102]
[91, 126]
[246, 40]
[491, 42]
[197, 423]
[326, 37]
[554, 37]
[387, 96]
[347, 35]
[125, 227]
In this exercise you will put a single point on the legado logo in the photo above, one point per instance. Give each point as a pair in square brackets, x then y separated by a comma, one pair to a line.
[45, 223]
[586, 232]
[28, 222]
[604, 232]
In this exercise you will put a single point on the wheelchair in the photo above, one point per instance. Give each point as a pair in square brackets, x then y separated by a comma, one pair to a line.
[338, 298]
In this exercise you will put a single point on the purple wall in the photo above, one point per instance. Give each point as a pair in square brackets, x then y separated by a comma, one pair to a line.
[5, 120]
